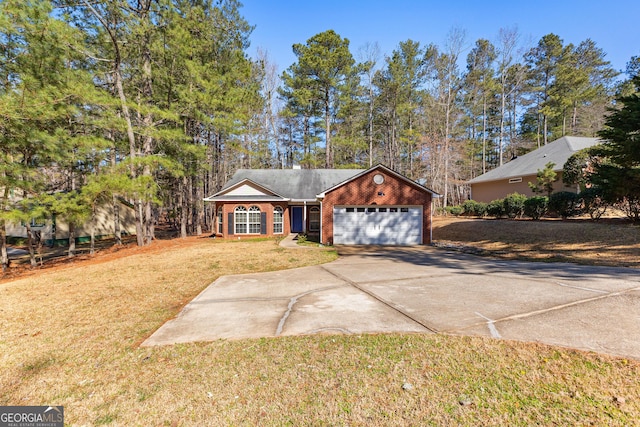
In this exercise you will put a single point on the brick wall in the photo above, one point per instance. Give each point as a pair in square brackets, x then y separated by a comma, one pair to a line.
[266, 207]
[364, 191]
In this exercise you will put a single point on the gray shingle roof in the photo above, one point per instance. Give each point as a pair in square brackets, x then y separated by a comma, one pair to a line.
[556, 152]
[297, 184]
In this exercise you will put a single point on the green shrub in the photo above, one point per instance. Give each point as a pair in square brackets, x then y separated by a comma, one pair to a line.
[473, 208]
[454, 210]
[593, 203]
[495, 208]
[481, 209]
[535, 207]
[514, 205]
[565, 203]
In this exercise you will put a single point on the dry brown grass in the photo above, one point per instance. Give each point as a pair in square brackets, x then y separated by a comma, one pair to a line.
[70, 336]
[611, 242]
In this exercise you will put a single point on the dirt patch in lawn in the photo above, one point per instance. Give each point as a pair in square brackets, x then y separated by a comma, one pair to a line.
[609, 242]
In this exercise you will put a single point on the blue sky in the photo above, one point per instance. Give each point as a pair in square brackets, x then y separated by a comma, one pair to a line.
[614, 24]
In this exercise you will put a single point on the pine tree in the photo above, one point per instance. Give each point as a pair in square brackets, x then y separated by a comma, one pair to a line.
[481, 87]
[316, 82]
[544, 180]
[617, 166]
[46, 100]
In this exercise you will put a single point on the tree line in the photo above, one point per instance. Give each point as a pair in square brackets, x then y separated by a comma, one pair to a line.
[157, 102]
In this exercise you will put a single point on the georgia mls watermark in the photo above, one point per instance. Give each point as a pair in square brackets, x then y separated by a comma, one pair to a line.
[31, 416]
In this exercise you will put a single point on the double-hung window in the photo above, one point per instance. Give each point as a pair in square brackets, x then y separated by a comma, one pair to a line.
[240, 220]
[278, 220]
[254, 220]
[314, 219]
[219, 219]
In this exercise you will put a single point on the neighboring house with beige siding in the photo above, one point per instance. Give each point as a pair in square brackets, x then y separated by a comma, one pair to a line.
[515, 176]
[56, 230]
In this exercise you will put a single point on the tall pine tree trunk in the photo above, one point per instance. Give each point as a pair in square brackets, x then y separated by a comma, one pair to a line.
[3, 246]
[126, 115]
[147, 94]
[92, 249]
[183, 208]
[484, 133]
[198, 204]
[72, 240]
[503, 113]
[30, 242]
[327, 124]
[117, 231]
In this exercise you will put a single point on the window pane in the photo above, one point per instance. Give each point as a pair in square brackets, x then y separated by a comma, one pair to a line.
[350, 210]
[404, 209]
[277, 220]
[360, 209]
[240, 219]
[314, 219]
[254, 220]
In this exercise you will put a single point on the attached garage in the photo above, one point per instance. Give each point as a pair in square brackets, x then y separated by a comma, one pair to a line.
[377, 225]
[376, 206]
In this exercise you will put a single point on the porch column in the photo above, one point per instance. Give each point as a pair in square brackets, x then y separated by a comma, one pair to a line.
[304, 218]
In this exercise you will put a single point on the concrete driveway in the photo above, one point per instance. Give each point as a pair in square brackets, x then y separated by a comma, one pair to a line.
[424, 290]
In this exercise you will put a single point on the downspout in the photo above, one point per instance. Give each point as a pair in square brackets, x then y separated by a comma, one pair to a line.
[431, 222]
[320, 238]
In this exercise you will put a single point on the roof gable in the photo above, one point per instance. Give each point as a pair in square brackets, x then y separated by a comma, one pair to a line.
[556, 152]
[386, 170]
[245, 189]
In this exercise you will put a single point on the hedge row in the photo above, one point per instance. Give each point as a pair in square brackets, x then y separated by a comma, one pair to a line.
[515, 205]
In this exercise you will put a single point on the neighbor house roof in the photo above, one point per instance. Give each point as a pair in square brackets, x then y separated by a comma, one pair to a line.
[556, 152]
[293, 184]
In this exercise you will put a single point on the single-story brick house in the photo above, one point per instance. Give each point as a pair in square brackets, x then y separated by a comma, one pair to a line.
[332, 206]
[514, 177]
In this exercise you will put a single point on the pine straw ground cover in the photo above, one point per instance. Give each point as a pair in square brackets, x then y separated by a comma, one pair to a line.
[70, 336]
[610, 242]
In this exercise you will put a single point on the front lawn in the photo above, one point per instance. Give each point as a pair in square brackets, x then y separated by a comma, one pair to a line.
[70, 336]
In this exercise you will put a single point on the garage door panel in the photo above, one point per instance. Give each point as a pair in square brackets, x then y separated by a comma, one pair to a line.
[396, 225]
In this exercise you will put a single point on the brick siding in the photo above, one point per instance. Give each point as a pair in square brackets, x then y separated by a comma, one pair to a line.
[364, 191]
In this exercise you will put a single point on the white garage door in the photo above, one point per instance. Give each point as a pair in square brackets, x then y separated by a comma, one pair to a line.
[385, 225]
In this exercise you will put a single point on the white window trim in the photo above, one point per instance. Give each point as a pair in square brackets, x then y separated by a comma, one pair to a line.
[280, 211]
[242, 217]
[312, 211]
[251, 221]
[219, 219]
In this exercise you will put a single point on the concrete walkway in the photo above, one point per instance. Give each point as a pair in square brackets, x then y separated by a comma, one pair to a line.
[291, 242]
[423, 290]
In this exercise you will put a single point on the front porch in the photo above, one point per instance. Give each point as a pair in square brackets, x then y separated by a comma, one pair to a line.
[305, 220]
